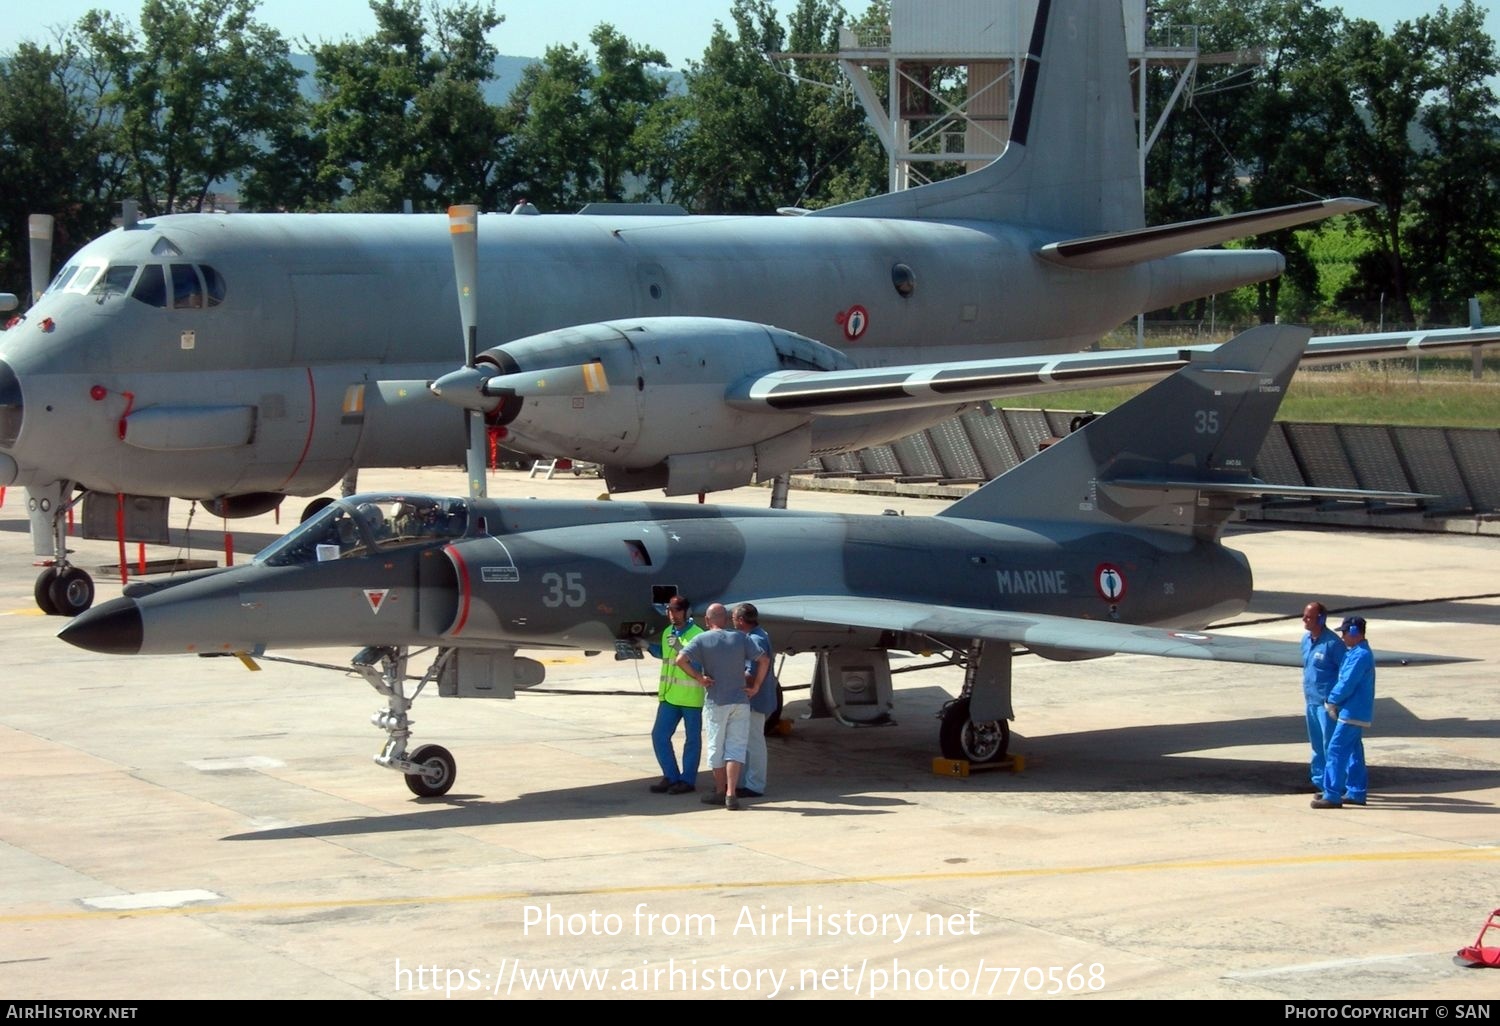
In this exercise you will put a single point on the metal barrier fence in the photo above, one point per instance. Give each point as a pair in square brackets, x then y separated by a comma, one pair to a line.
[1461, 465]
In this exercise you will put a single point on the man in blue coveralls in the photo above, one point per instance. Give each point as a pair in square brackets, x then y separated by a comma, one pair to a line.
[1351, 704]
[1322, 655]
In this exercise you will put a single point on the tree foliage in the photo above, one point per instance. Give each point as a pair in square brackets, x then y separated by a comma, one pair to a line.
[401, 113]
[191, 94]
[586, 128]
[55, 154]
[201, 92]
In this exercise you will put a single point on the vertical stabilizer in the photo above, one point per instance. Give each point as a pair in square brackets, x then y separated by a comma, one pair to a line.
[1071, 163]
[1172, 457]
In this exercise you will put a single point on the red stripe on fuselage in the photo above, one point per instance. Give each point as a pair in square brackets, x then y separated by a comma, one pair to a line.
[463, 589]
[312, 423]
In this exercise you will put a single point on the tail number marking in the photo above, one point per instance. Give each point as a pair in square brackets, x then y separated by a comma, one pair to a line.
[1206, 422]
[563, 590]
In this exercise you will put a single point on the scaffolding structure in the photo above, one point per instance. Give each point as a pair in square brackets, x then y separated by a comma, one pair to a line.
[950, 67]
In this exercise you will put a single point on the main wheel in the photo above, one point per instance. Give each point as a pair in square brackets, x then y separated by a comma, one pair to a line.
[42, 591]
[961, 738]
[71, 592]
[439, 771]
[774, 717]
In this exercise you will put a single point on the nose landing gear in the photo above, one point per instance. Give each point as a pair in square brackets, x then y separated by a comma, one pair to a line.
[61, 589]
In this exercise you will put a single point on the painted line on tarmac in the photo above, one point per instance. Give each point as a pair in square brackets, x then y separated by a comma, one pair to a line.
[1336, 858]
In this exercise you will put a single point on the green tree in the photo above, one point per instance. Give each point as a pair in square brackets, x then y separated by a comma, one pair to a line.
[402, 114]
[55, 154]
[1454, 237]
[1374, 88]
[586, 127]
[191, 95]
[763, 136]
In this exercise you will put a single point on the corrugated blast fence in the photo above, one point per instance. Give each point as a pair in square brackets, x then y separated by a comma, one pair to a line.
[1460, 465]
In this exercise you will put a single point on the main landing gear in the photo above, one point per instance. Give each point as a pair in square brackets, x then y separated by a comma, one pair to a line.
[975, 726]
[61, 589]
[430, 770]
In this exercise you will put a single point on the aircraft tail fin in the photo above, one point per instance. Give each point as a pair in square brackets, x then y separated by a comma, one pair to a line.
[1071, 162]
[1178, 456]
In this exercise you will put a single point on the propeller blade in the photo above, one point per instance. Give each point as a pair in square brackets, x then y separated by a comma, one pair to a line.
[471, 388]
[463, 227]
[582, 379]
[39, 227]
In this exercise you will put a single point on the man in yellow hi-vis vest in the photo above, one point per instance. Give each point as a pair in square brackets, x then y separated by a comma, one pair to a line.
[680, 700]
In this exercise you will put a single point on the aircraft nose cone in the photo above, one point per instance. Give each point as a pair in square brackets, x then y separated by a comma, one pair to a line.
[113, 628]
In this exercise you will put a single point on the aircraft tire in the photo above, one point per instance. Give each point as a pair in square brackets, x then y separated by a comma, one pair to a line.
[961, 738]
[774, 717]
[42, 591]
[442, 771]
[71, 592]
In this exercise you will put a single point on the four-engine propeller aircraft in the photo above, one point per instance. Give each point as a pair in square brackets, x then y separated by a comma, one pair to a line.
[240, 359]
[1106, 542]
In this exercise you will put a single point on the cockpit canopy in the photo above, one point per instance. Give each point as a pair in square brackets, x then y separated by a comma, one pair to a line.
[364, 524]
[178, 286]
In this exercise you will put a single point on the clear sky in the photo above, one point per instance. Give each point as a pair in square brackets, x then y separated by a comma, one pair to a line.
[679, 28]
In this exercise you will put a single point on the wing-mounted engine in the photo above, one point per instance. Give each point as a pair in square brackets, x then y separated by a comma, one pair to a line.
[647, 399]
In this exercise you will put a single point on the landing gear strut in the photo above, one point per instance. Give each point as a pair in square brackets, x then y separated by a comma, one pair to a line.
[430, 770]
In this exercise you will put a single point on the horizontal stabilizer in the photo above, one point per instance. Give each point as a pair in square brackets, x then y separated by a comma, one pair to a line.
[1037, 631]
[1121, 249]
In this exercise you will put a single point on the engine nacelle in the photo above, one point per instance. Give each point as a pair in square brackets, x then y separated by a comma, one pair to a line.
[663, 421]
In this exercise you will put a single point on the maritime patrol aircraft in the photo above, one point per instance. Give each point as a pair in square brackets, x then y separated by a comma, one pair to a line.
[1108, 541]
[241, 359]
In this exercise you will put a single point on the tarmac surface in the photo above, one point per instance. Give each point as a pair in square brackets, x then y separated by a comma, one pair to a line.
[182, 828]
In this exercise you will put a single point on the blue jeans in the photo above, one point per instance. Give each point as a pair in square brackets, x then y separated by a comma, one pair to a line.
[667, 718]
[1344, 773]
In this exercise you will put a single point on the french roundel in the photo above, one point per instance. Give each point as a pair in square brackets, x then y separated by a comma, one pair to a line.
[855, 320]
[1109, 582]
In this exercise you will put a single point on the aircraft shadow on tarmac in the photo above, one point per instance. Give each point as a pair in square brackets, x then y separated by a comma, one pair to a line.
[825, 770]
[1288, 605]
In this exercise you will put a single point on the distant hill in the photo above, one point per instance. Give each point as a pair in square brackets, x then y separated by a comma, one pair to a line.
[497, 90]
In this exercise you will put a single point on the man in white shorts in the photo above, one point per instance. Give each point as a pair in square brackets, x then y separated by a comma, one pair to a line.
[716, 659]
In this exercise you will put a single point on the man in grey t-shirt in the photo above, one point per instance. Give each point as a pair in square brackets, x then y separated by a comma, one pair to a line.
[716, 659]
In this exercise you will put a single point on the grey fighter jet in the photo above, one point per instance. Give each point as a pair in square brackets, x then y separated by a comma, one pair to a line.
[241, 359]
[1108, 541]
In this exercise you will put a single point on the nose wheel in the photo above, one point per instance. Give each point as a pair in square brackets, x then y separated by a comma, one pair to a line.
[61, 589]
[70, 591]
[437, 773]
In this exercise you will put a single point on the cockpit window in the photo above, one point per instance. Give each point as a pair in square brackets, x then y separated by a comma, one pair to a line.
[365, 524]
[187, 289]
[215, 283]
[151, 288]
[85, 278]
[115, 281]
[63, 277]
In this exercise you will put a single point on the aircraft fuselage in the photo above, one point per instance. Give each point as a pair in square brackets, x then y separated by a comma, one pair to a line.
[310, 358]
[585, 575]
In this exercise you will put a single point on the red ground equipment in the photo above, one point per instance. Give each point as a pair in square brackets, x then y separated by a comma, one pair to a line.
[1477, 954]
